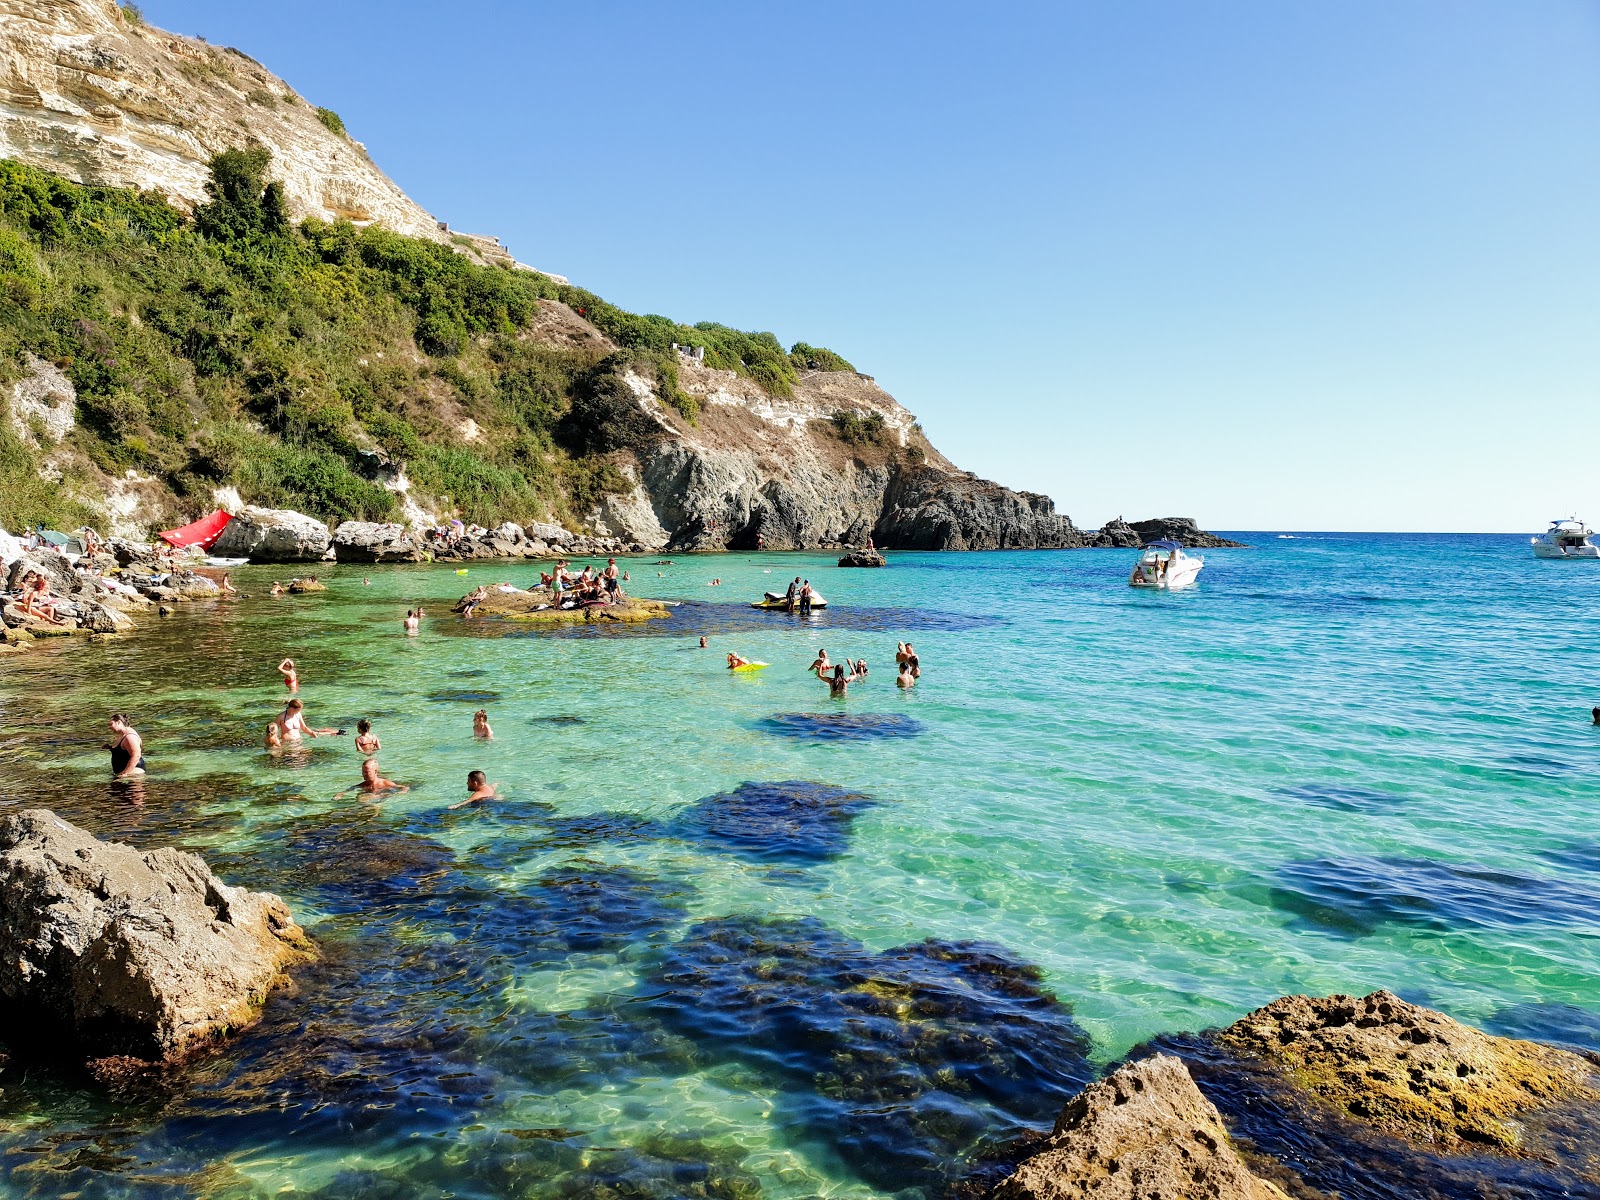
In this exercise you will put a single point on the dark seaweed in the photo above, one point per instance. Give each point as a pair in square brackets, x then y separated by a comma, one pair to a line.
[794, 822]
[843, 726]
[464, 696]
[1353, 896]
[904, 1061]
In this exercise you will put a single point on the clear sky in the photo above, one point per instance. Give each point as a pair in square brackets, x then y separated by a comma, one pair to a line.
[1320, 264]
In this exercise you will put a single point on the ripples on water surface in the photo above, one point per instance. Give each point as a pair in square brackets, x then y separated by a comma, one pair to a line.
[1341, 763]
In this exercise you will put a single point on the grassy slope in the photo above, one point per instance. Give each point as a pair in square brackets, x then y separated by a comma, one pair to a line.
[240, 349]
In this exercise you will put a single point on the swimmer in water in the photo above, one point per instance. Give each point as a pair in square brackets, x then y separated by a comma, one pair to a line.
[274, 737]
[366, 741]
[277, 588]
[735, 662]
[127, 752]
[480, 725]
[820, 664]
[372, 783]
[291, 677]
[227, 588]
[292, 725]
[703, 646]
[838, 681]
[1595, 713]
[905, 679]
[412, 623]
[478, 788]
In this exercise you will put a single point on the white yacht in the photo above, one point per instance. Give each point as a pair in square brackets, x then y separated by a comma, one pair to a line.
[1566, 539]
[1164, 565]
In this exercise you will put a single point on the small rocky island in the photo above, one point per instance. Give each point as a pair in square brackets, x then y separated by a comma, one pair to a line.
[540, 605]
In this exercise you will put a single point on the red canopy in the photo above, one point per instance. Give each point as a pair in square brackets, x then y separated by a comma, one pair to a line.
[202, 533]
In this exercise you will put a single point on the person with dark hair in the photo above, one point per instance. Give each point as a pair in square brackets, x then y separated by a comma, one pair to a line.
[838, 681]
[478, 789]
[127, 752]
[805, 598]
[1595, 713]
[292, 723]
[366, 741]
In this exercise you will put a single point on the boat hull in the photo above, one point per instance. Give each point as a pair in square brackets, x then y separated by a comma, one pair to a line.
[783, 605]
[1546, 550]
[1184, 577]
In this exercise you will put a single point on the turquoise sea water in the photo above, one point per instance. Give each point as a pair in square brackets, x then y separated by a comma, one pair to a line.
[1342, 762]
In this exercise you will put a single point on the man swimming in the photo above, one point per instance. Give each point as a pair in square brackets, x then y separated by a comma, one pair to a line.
[478, 788]
[905, 679]
[372, 783]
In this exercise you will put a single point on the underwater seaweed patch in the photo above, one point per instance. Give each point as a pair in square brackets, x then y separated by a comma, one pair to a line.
[843, 726]
[794, 821]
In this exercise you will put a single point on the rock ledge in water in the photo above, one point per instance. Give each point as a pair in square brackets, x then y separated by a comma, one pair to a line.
[537, 605]
[129, 953]
[1409, 1071]
[863, 558]
[1142, 1133]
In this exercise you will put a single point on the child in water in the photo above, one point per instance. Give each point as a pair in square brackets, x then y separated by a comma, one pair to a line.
[480, 725]
[366, 741]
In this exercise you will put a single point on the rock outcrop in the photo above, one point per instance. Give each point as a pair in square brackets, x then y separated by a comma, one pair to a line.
[90, 94]
[863, 558]
[538, 606]
[1143, 1133]
[374, 542]
[1408, 1070]
[128, 953]
[273, 535]
[1182, 530]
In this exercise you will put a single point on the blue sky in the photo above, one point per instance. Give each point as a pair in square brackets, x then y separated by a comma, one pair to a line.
[1329, 264]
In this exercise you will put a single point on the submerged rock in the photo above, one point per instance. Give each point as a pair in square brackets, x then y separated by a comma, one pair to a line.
[906, 1060]
[794, 821]
[123, 952]
[1142, 1133]
[843, 727]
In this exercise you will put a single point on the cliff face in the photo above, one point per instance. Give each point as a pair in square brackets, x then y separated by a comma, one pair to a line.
[88, 94]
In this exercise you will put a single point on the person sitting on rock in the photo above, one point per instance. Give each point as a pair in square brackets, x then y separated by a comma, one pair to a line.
[37, 600]
[478, 788]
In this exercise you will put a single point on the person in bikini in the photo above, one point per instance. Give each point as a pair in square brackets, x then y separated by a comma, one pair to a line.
[366, 741]
[480, 726]
[820, 663]
[292, 725]
[735, 662]
[291, 677]
[127, 752]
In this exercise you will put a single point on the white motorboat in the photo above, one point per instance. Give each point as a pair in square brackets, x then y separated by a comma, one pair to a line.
[1566, 539]
[1164, 565]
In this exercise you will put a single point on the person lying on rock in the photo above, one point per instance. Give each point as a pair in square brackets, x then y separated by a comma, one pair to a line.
[478, 788]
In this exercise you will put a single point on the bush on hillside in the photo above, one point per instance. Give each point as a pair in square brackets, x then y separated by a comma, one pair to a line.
[333, 122]
[816, 358]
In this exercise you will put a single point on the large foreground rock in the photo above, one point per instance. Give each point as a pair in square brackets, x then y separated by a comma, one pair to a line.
[375, 542]
[1143, 1133]
[115, 951]
[273, 535]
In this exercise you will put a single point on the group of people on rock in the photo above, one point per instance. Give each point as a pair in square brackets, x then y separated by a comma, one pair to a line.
[588, 586]
[36, 600]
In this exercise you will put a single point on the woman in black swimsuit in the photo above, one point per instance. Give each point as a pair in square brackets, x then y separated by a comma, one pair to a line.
[127, 752]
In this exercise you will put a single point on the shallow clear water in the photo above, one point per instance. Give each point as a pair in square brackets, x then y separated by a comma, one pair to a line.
[1343, 762]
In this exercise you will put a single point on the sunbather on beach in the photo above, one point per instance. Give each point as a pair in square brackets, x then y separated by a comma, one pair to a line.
[291, 677]
[478, 788]
[37, 600]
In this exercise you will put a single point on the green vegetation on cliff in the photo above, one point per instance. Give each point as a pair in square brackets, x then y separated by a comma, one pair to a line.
[294, 362]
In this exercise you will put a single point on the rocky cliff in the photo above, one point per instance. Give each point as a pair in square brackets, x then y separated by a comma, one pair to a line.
[495, 394]
[98, 96]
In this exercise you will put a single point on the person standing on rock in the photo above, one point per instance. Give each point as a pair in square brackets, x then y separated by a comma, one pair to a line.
[127, 752]
[613, 584]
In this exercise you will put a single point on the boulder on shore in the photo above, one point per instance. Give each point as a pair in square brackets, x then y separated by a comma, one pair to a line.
[863, 558]
[375, 542]
[273, 535]
[1144, 1132]
[121, 952]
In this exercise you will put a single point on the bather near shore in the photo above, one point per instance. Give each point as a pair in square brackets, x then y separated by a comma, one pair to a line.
[540, 605]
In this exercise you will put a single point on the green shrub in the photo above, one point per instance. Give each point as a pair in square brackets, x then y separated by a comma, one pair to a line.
[395, 434]
[605, 414]
[331, 121]
[857, 429]
[260, 98]
[132, 14]
[478, 489]
[816, 358]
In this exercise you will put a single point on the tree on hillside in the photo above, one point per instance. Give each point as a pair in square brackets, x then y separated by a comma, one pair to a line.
[244, 204]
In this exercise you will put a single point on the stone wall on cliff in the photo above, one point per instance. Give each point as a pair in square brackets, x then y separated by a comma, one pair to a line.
[89, 94]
